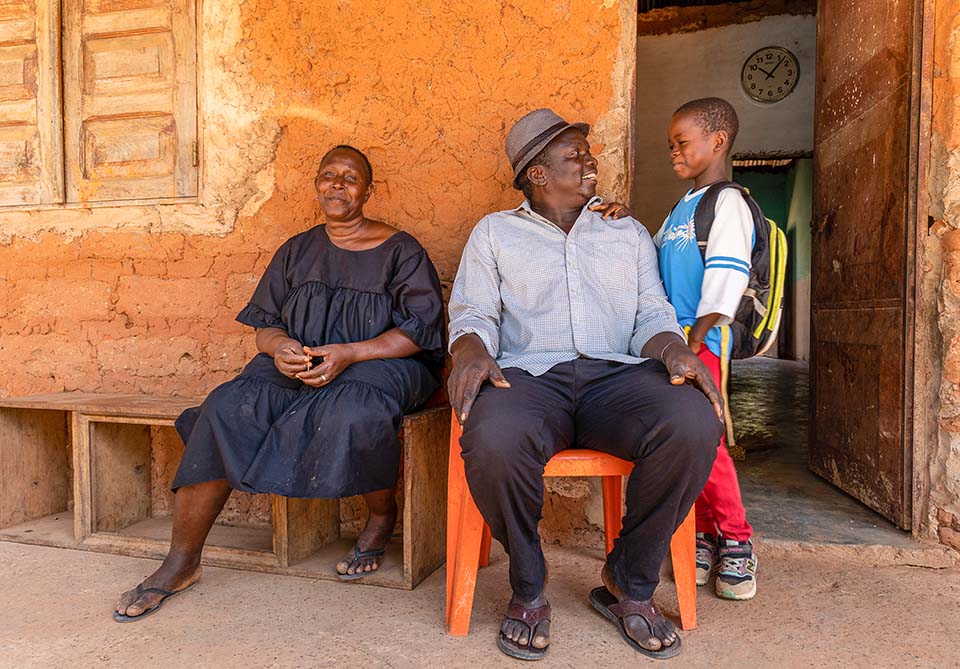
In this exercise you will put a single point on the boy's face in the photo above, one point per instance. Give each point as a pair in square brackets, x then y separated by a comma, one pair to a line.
[692, 150]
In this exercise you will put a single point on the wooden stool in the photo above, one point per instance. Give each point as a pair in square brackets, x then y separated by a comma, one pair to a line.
[468, 536]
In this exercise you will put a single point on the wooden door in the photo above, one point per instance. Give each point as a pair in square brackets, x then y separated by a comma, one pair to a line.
[130, 115]
[30, 143]
[864, 218]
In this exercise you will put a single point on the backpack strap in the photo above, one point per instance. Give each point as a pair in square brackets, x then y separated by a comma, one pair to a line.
[707, 209]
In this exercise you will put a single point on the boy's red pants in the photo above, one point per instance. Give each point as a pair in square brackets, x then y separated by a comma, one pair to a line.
[719, 506]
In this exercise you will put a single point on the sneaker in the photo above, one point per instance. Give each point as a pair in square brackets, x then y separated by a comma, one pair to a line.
[737, 572]
[706, 557]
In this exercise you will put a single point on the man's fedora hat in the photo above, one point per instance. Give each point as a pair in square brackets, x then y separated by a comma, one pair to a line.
[530, 134]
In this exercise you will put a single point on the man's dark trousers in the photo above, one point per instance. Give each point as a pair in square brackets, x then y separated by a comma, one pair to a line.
[633, 412]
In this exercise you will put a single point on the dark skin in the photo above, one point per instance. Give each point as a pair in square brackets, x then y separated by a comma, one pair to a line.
[701, 156]
[561, 188]
[343, 186]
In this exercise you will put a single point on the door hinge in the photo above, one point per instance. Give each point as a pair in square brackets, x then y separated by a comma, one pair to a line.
[196, 154]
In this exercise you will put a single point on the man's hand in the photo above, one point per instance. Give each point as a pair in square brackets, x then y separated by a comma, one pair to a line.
[472, 367]
[683, 366]
[610, 209]
[336, 358]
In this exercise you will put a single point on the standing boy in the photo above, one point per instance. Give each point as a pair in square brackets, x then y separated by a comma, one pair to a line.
[705, 290]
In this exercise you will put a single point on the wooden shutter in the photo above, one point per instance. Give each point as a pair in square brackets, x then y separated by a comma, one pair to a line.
[31, 161]
[130, 99]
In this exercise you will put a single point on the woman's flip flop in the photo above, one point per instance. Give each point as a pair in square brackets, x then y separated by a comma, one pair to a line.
[356, 558]
[167, 594]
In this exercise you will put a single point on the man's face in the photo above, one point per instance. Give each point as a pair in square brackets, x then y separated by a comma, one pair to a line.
[691, 149]
[570, 175]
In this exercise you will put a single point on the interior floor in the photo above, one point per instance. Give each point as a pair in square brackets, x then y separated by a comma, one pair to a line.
[769, 401]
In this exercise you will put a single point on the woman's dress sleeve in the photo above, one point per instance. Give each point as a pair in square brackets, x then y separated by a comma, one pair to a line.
[417, 302]
[264, 308]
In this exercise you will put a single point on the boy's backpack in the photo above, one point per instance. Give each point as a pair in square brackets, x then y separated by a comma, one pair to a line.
[754, 328]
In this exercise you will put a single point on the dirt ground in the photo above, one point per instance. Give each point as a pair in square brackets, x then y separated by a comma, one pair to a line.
[810, 612]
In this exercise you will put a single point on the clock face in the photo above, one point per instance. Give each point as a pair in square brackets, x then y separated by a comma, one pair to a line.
[770, 74]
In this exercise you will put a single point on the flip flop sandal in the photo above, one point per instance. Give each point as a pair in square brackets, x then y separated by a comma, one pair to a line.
[532, 619]
[167, 594]
[359, 555]
[603, 601]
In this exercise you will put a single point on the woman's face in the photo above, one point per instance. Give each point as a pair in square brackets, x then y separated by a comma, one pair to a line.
[343, 185]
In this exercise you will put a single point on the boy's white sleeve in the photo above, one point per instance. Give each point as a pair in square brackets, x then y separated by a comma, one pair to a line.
[658, 238]
[727, 265]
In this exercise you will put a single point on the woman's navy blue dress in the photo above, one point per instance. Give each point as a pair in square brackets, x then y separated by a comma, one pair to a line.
[264, 432]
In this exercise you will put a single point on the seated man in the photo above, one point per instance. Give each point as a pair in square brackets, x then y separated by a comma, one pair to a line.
[564, 314]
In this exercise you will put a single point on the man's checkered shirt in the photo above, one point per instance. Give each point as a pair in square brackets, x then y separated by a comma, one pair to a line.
[537, 297]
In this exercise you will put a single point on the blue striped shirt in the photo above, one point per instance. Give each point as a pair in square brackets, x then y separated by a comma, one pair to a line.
[697, 288]
[537, 296]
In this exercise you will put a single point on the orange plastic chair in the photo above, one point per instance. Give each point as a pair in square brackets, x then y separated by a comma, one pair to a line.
[468, 536]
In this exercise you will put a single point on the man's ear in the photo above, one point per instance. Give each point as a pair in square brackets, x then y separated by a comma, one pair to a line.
[369, 192]
[721, 140]
[537, 175]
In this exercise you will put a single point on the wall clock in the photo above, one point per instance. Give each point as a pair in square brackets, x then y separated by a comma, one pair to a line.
[770, 74]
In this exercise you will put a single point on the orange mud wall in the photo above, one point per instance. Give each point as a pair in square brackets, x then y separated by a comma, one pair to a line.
[142, 298]
[938, 406]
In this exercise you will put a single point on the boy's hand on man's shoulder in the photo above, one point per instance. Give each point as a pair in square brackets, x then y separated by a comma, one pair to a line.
[611, 210]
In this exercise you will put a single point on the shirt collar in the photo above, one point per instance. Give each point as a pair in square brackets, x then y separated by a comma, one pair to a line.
[525, 208]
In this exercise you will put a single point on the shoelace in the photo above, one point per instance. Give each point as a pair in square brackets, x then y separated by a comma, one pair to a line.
[738, 564]
[706, 553]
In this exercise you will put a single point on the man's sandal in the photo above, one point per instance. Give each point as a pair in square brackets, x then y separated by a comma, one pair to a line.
[532, 619]
[167, 594]
[603, 601]
[356, 559]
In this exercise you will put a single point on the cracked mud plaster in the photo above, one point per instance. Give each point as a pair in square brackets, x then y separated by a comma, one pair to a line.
[428, 90]
[142, 298]
[941, 478]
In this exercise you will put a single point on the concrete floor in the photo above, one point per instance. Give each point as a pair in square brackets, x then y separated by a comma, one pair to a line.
[834, 590]
[785, 500]
[809, 612]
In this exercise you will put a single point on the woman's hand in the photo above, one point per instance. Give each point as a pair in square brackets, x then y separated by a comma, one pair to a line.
[610, 209]
[290, 358]
[336, 358]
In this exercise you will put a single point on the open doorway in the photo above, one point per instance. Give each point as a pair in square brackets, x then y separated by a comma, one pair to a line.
[784, 433]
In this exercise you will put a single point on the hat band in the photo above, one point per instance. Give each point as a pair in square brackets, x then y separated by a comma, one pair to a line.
[521, 154]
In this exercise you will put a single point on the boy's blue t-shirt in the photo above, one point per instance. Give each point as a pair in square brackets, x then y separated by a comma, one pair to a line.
[682, 269]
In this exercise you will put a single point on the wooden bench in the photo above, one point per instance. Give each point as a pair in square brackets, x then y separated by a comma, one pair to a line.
[76, 468]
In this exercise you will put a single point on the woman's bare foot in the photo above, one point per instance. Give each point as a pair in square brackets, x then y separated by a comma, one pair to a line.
[655, 634]
[173, 575]
[375, 536]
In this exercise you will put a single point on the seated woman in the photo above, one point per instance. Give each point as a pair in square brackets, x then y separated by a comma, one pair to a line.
[350, 330]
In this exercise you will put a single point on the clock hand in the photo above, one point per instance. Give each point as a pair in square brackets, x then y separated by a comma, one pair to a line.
[770, 74]
[764, 71]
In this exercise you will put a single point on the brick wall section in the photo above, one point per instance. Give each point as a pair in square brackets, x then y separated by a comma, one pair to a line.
[126, 312]
[949, 529]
